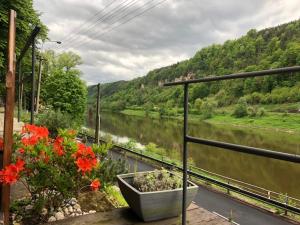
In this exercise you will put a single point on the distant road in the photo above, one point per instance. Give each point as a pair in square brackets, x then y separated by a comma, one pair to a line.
[217, 202]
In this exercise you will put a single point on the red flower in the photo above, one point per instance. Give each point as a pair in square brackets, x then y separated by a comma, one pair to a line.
[84, 165]
[95, 185]
[1, 144]
[58, 147]
[39, 132]
[21, 151]
[32, 134]
[86, 159]
[20, 164]
[32, 140]
[84, 151]
[10, 174]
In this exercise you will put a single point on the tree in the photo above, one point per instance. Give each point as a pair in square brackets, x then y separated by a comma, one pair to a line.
[68, 60]
[27, 18]
[65, 91]
[200, 91]
[240, 109]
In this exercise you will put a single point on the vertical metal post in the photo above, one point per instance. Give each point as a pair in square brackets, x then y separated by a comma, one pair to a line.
[97, 139]
[19, 91]
[39, 86]
[185, 153]
[286, 203]
[9, 110]
[32, 81]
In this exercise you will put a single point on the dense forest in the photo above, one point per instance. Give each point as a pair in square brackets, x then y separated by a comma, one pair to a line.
[269, 48]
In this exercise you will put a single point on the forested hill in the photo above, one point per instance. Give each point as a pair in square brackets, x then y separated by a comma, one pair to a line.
[269, 48]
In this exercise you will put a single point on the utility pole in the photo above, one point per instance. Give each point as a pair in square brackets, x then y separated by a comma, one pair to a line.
[97, 130]
[32, 81]
[9, 110]
[30, 42]
[39, 85]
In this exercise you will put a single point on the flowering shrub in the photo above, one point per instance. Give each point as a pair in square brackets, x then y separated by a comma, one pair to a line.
[52, 170]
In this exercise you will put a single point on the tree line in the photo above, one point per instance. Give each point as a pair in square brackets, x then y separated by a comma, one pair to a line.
[257, 50]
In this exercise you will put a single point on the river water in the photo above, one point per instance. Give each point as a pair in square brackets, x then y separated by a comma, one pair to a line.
[275, 175]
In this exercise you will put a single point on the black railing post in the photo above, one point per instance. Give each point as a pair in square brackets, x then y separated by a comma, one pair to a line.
[32, 81]
[185, 152]
[97, 140]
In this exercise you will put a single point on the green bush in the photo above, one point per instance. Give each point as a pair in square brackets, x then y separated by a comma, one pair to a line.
[261, 112]
[240, 109]
[55, 120]
[208, 108]
[252, 111]
[158, 180]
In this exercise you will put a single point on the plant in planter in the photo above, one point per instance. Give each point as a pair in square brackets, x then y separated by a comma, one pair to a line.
[52, 170]
[155, 195]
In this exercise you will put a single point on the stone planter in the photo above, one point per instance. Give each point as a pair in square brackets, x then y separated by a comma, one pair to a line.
[156, 205]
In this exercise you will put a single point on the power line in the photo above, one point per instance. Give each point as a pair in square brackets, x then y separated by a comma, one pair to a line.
[108, 15]
[87, 21]
[123, 22]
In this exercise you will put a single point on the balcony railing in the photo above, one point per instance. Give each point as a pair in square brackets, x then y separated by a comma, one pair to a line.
[227, 146]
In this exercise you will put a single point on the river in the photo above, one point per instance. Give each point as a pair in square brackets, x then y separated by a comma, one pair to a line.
[275, 175]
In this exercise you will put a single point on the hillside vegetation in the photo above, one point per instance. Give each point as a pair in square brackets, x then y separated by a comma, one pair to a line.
[269, 48]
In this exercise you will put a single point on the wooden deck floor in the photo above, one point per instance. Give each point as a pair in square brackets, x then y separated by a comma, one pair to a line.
[124, 216]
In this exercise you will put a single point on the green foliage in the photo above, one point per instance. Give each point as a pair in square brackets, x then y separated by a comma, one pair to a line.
[52, 172]
[55, 120]
[240, 109]
[207, 108]
[158, 180]
[64, 90]
[27, 18]
[269, 48]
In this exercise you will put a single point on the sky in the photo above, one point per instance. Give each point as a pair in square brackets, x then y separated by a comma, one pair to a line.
[125, 39]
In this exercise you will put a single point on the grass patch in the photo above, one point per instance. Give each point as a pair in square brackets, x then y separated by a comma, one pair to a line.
[115, 196]
[277, 121]
[273, 121]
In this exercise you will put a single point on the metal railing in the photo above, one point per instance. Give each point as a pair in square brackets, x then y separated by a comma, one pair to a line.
[254, 192]
[227, 146]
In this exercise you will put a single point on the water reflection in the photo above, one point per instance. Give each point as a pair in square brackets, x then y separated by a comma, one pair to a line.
[272, 174]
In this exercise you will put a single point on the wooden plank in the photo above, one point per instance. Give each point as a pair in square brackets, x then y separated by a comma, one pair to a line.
[9, 109]
[124, 216]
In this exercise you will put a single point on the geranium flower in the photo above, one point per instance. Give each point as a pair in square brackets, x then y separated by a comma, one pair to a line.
[95, 185]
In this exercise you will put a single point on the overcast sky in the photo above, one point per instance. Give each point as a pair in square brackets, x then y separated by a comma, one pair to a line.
[170, 32]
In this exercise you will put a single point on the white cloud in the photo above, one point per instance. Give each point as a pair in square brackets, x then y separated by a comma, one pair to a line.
[173, 31]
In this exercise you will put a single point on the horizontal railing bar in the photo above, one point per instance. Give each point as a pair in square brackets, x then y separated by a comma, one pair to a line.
[247, 149]
[218, 183]
[238, 75]
[208, 179]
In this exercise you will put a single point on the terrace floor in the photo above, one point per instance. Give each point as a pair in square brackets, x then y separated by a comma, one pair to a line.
[124, 216]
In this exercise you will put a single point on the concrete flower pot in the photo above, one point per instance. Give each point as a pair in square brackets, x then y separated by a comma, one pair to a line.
[155, 205]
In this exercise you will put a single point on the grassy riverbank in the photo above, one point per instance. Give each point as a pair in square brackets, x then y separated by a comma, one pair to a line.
[288, 122]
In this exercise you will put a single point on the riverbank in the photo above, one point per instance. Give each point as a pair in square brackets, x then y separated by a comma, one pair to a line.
[285, 122]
